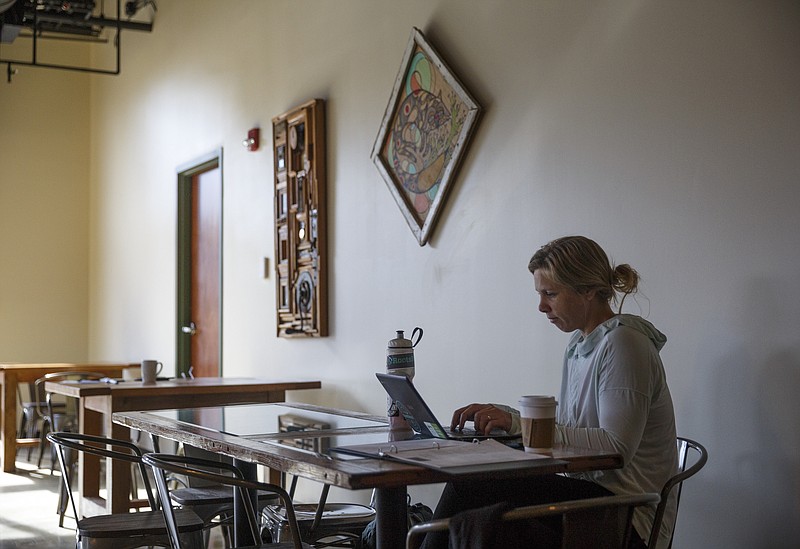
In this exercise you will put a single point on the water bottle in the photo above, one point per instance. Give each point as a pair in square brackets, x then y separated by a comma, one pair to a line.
[400, 361]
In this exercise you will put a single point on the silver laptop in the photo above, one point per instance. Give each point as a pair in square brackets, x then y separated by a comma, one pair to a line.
[419, 415]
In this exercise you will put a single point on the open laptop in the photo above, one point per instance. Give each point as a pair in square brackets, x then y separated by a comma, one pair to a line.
[419, 415]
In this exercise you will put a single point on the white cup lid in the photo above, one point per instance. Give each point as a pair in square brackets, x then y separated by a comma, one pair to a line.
[537, 400]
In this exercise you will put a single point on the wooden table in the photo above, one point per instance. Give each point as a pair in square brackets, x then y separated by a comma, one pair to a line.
[98, 401]
[11, 375]
[250, 434]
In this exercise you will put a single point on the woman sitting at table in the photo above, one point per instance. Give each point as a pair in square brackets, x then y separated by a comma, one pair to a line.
[614, 394]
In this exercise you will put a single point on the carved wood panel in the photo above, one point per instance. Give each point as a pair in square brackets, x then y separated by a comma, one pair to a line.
[300, 221]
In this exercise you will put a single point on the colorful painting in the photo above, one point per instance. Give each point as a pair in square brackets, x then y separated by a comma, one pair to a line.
[427, 125]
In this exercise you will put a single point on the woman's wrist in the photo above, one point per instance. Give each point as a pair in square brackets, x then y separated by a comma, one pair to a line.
[516, 427]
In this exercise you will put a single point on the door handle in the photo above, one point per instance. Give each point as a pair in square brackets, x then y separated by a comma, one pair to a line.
[191, 329]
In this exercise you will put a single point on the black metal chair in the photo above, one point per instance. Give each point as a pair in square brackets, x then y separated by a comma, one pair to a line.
[685, 448]
[123, 530]
[27, 420]
[599, 523]
[30, 419]
[211, 501]
[223, 473]
[57, 416]
[323, 524]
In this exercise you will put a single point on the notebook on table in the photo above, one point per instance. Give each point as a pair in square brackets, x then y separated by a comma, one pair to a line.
[419, 416]
[455, 457]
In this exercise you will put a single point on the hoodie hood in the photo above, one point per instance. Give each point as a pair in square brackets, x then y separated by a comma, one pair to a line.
[582, 346]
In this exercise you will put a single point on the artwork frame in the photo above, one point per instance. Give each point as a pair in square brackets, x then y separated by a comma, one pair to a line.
[419, 162]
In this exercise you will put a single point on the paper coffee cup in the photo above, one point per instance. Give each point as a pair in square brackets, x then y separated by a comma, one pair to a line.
[538, 420]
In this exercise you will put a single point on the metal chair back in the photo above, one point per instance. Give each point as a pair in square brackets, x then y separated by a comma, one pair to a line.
[57, 416]
[103, 447]
[602, 522]
[686, 448]
[217, 472]
[121, 530]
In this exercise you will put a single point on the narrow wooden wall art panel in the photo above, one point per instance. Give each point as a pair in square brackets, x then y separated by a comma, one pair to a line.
[301, 259]
[424, 134]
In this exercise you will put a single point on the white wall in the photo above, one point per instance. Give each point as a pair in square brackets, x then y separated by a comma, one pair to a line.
[44, 215]
[667, 131]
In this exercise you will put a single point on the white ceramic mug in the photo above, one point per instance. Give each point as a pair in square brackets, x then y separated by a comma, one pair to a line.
[150, 370]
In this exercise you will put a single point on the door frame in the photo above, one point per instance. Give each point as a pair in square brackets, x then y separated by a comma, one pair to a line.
[185, 176]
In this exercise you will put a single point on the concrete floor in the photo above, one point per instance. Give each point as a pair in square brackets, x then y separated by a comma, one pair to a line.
[28, 517]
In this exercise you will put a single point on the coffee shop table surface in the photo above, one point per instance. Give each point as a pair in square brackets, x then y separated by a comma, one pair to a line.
[249, 434]
[14, 373]
[98, 401]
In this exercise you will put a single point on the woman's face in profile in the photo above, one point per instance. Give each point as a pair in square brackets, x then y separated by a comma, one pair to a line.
[565, 308]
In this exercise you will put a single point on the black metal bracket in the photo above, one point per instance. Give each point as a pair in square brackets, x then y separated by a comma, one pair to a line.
[38, 32]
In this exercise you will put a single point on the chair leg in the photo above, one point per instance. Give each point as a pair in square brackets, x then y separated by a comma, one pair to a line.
[23, 425]
[30, 448]
[193, 539]
[42, 443]
[63, 497]
[134, 482]
[33, 432]
[53, 459]
[62, 503]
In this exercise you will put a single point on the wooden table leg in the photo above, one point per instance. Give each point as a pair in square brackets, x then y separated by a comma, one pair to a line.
[118, 473]
[89, 423]
[9, 429]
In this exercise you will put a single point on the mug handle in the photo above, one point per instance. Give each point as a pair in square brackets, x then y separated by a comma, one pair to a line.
[159, 366]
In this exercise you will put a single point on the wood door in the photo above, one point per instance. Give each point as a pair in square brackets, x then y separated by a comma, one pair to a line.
[200, 269]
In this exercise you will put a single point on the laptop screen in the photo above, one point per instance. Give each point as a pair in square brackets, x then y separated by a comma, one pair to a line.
[411, 405]
[419, 415]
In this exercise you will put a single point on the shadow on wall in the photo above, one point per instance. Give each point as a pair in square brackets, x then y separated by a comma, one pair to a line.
[778, 433]
[751, 484]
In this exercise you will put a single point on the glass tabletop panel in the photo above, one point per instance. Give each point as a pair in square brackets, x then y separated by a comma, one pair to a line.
[321, 443]
[298, 426]
[268, 420]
